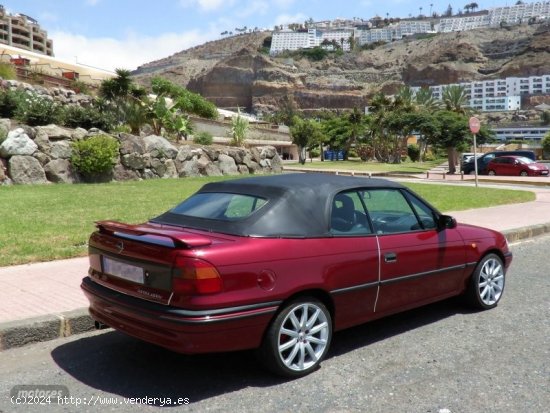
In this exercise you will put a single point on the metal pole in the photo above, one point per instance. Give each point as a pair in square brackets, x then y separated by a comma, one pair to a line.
[475, 158]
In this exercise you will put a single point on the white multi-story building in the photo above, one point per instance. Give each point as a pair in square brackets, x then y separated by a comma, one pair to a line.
[23, 32]
[519, 13]
[394, 31]
[305, 39]
[482, 93]
[494, 17]
[496, 104]
[468, 22]
[507, 134]
[290, 40]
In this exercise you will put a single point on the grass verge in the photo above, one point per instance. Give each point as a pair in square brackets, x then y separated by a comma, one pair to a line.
[48, 222]
[358, 165]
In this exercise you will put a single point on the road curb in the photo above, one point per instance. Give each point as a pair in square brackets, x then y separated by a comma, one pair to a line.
[514, 235]
[19, 333]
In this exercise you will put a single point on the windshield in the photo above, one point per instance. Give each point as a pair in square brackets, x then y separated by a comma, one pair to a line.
[219, 206]
[524, 160]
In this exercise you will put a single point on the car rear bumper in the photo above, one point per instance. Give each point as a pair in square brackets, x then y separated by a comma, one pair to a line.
[184, 331]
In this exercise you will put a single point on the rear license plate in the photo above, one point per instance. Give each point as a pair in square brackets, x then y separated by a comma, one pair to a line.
[123, 270]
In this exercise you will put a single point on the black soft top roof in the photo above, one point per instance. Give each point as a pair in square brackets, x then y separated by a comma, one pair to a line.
[298, 204]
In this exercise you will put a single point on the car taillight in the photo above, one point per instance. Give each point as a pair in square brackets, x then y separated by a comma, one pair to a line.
[195, 276]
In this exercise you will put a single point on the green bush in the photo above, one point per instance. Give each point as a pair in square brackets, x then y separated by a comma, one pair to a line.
[364, 152]
[95, 156]
[546, 146]
[9, 102]
[7, 71]
[203, 138]
[78, 86]
[4, 131]
[413, 151]
[429, 156]
[36, 111]
[88, 117]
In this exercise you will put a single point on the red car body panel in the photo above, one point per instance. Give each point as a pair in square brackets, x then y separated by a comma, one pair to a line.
[360, 278]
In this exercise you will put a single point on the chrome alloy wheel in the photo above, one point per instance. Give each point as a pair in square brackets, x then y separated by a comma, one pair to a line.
[491, 281]
[303, 336]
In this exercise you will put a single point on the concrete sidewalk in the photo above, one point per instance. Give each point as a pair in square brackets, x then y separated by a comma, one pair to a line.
[43, 301]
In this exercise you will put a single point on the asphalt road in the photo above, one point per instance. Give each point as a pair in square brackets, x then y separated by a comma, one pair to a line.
[441, 358]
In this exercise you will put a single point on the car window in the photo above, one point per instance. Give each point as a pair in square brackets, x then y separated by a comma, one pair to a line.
[488, 158]
[424, 212]
[347, 216]
[220, 206]
[389, 211]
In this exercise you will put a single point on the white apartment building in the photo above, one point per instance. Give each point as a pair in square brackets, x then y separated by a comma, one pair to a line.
[519, 13]
[496, 104]
[532, 85]
[305, 39]
[498, 94]
[494, 17]
[289, 40]
[468, 22]
[24, 32]
[394, 31]
[507, 134]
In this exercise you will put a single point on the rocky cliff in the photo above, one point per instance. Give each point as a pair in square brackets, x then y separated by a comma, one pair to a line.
[232, 72]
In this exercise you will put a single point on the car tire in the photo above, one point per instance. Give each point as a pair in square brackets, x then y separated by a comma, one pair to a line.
[487, 283]
[492, 173]
[523, 173]
[298, 339]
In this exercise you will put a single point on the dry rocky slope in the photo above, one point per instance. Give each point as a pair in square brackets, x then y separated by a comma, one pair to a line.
[231, 72]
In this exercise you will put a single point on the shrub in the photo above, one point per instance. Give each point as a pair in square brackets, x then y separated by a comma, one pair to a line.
[203, 138]
[364, 152]
[3, 133]
[546, 146]
[239, 129]
[9, 102]
[78, 86]
[89, 117]
[95, 156]
[413, 151]
[7, 71]
[429, 156]
[36, 111]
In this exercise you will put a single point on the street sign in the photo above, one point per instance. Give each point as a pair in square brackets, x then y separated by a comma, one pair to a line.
[475, 124]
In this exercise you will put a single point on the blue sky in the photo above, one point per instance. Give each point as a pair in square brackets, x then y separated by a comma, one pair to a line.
[125, 34]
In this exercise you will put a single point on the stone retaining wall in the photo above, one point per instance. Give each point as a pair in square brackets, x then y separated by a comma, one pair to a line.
[39, 155]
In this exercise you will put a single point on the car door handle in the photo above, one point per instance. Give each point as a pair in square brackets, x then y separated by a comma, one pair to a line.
[390, 257]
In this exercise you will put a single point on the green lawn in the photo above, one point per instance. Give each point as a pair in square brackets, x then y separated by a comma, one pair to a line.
[47, 222]
[357, 165]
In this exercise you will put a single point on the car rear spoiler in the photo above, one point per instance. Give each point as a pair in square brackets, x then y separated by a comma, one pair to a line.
[179, 238]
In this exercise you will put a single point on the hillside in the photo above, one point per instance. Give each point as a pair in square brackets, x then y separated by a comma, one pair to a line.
[231, 72]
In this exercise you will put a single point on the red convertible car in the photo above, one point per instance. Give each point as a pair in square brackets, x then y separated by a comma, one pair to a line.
[278, 263]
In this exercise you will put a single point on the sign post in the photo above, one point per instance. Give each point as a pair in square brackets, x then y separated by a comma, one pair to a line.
[475, 125]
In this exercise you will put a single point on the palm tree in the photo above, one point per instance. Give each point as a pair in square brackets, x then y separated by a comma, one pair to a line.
[455, 100]
[474, 6]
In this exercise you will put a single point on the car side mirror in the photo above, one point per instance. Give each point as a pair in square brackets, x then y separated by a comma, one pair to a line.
[446, 222]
